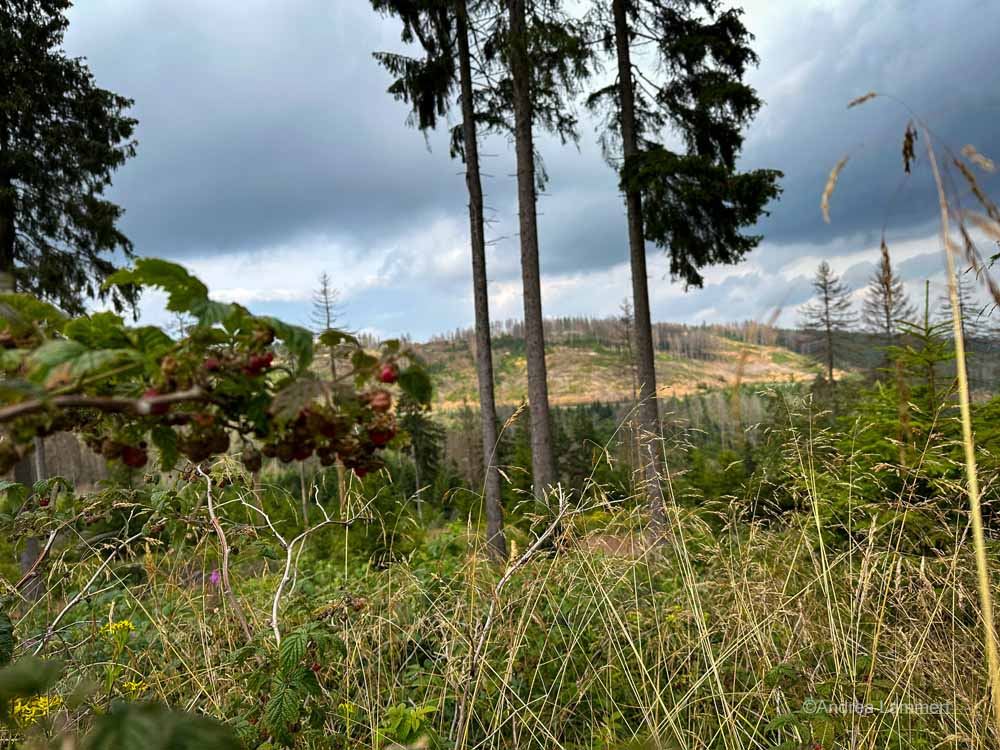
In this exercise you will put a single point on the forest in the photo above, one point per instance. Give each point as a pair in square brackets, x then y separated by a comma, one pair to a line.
[229, 528]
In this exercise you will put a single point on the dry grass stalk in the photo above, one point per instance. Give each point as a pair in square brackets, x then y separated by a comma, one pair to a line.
[984, 201]
[861, 99]
[983, 162]
[972, 477]
[831, 184]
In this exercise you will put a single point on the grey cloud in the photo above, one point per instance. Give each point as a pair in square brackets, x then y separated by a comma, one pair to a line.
[264, 122]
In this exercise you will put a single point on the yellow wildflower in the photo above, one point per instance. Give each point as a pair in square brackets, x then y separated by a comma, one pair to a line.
[119, 627]
[135, 686]
[29, 711]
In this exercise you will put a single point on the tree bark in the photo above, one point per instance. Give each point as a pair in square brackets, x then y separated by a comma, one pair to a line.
[7, 235]
[495, 539]
[542, 459]
[648, 412]
[829, 348]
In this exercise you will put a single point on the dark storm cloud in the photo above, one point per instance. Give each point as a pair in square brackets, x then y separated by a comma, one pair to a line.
[260, 122]
[939, 59]
[264, 125]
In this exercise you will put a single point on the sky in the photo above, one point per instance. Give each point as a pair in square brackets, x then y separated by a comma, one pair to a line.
[269, 151]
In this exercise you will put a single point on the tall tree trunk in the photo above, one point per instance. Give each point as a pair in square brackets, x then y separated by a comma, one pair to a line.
[6, 235]
[649, 415]
[495, 539]
[542, 461]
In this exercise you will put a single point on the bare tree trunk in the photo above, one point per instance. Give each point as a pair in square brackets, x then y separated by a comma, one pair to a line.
[495, 539]
[7, 234]
[29, 470]
[649, 415]
[829, 351]
[542, 460]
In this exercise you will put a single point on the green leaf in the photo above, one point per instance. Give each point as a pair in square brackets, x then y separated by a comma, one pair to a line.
[781, 721]
[298, 340]
[103, 330]
[151, 341]
[26, 677]
[165, 440]
[56, 362]
[22, 312]
[290, 400]
[11, 359]
[293, 650]
[185, 293]
[152, 726]
[333, 337]
[416, 383]
[6, 639]
[364, 363]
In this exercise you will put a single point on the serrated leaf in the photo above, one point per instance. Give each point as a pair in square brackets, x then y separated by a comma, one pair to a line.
[21, 312]
[58, 362]
[165, 440]
[334, 337]
[781, 721]
[298, 341]
[103, 330]
[150, 340]
[292, 650]
[289, 401]
[184, 291]
[416, 383]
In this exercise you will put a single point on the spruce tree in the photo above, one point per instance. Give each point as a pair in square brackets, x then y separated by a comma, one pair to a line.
[61, 137]
[975, 321]
[829, 315]
[428, 83]
[886, 303]
[693, 204]
[546, 56]
[325, 311]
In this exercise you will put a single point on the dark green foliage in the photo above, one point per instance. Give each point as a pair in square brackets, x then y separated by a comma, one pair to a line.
[557, 46]
[25, 678]
[61, 137]
[697, 208]
[427, 83]
[426, 438]
[6, 639]
[155, 727]
[695, 204]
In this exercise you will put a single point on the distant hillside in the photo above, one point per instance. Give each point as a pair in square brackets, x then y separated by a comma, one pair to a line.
[589, 360]
[581, 373]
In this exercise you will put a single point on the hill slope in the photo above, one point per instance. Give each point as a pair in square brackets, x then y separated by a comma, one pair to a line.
[584, 371]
